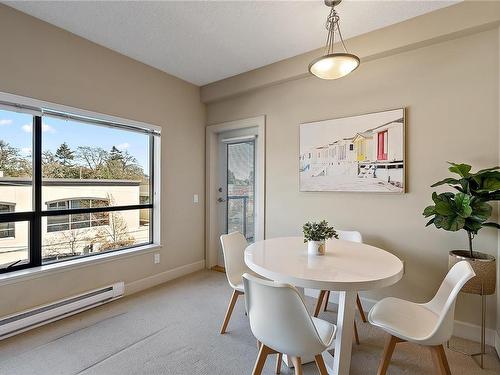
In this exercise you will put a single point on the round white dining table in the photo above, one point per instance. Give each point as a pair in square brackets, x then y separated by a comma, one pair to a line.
[346, 267]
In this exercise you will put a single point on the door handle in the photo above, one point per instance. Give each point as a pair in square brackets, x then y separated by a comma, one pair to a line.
[220, 200]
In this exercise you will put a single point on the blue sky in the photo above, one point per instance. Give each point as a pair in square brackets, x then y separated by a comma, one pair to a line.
[16, 129]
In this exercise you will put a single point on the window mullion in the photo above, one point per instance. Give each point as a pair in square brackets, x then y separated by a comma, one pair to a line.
[151, 184]
[36, 222]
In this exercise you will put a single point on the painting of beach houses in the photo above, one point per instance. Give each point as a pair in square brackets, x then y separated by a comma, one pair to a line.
[358, 154]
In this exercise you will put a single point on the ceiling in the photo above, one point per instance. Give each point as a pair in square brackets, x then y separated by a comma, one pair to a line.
[205, 41]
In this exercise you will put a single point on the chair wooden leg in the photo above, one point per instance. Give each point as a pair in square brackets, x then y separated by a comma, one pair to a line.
[440, 361]
[320, 363]
[390, 344]
[356, 337]
[279, 358]
[297, 364]
[264, 351]
[360, 309]
[319, 302]
[327, 298]
[229, 311]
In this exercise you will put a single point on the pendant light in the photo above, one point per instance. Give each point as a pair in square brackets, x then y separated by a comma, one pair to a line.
[333, 65]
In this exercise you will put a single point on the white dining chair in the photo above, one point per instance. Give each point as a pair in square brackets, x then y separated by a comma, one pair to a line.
[233, 248]
[281, 324]
[428, 324]
[324, 295]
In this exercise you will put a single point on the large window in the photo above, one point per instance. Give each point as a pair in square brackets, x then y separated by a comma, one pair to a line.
[71, 186]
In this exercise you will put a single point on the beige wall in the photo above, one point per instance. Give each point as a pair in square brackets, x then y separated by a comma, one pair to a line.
[497, 338]
[43, 62]
[450, 90]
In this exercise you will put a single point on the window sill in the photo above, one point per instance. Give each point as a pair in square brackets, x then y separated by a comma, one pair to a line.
[49, 269]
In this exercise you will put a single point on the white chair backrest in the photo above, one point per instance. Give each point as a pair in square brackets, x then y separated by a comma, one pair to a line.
[350, 235]
[443, 303]
[233, 247]
[279, 318]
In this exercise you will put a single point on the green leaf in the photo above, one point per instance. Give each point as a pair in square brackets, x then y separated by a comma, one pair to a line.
[439, 221]
[435, 197]
[431, 221]
[472, 226]
[486, 170]
[492, 225]
[429, 211]
[454, 223]
[446, 181]
[481, 210]
[477, 219]
[448, 196]
[462, 205]
[450, 223]
[461, 169]
[444, 208]
[490, 184]
[464, 185]
[495, 196]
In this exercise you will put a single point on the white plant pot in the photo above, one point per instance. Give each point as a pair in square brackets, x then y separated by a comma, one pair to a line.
[316, 247]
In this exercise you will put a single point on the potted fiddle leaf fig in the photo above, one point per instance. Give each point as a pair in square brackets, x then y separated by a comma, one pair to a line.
[316, 234]
[467, 209]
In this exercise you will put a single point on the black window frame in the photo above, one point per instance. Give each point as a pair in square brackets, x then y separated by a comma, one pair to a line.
[35, 216]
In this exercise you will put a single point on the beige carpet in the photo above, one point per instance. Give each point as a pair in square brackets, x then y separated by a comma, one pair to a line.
[174, 329]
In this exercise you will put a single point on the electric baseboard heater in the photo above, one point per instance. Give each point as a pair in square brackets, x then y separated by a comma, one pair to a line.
[16, 323]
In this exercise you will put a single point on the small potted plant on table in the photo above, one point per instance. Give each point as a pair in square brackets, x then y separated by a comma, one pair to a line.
[316, 234]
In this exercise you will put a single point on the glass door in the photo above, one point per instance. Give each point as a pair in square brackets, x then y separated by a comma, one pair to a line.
[240, 188]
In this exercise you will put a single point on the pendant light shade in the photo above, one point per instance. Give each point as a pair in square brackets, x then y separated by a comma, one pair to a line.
[333, 65]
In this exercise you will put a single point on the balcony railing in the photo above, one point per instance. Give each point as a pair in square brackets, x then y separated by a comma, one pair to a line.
[240, 215]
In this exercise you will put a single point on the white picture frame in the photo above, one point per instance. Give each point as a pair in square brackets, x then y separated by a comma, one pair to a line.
[363, 153]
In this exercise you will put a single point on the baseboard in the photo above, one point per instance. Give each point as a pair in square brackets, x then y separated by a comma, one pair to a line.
[473, 332]
[460, 329]
[162, 277]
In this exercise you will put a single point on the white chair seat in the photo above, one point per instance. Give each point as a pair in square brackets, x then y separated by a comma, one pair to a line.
[239, 287]
[326, 330]
[428, 324]
[404, 319]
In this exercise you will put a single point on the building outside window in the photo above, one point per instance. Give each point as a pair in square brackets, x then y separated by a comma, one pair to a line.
[71, 187]
[66, 222]
[7, 229]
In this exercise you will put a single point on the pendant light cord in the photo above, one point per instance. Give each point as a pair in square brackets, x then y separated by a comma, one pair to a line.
[332, 24]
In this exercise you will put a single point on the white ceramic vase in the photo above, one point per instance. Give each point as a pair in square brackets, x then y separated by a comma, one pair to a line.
[316, 247]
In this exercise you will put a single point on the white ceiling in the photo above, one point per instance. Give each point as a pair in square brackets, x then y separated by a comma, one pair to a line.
[205, 41]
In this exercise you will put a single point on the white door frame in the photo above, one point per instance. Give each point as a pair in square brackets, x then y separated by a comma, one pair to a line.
[212, 182]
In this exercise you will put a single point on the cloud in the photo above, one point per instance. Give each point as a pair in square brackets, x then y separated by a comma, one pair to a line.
[28, 128]
[47, 128]
[26, 150]
[123, 146]
[5, 122]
